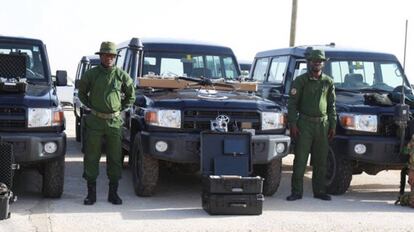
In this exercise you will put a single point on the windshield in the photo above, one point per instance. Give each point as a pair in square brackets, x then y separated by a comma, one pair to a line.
[34, 62]
[190, 65]
[357, 75]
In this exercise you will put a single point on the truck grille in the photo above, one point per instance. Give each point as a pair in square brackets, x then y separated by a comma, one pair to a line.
[12, 117]
[387, 126]
[200, 120]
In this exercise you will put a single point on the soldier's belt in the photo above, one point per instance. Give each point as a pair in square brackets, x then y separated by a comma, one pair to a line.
[105, 115]
[313, 119]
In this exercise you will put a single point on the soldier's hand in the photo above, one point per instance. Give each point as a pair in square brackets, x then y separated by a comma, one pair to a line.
[331, 134]
[294, 132]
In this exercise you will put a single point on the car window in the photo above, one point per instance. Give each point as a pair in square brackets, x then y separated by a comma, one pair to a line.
[121, 58]
[358, 74]
[277, 69]
[259, 72]
[33, 57]
[213, 64]
[191, 65]
[79, 71]
[300, 68]
[230, 68]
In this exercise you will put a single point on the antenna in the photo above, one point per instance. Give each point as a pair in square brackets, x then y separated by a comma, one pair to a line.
[405, 43]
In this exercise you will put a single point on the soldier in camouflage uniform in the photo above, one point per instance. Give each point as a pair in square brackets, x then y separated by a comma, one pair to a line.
[407, 199]
[312, 122]
[100, 89]
[410, 148]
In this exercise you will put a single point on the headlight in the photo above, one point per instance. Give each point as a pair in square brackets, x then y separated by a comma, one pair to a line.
[359, 122]
[163, 118]
[273, 120]
[45, 117]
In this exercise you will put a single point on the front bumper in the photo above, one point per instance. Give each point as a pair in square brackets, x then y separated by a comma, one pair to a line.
[29, 147]
[379, 150]
[185, 148]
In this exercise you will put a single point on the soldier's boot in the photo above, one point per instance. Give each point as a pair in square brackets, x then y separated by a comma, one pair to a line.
[91, 198]
[113, 195]
[294, 197]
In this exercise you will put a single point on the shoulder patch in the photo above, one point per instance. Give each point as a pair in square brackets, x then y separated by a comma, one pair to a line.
[293, 91]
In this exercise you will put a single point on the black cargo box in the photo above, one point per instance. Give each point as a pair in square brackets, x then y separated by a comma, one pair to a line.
[232, 184]
[232, 204]
[226, 153]
[5, 195]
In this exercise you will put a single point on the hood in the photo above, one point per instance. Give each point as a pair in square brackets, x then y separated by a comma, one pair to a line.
[42, 96]
[368, 102]
[191, 98]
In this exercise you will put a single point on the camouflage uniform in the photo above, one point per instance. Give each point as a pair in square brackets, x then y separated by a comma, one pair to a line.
[409, 150]
[407, 199]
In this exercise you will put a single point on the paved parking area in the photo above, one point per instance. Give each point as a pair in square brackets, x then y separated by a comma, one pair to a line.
[367, 206]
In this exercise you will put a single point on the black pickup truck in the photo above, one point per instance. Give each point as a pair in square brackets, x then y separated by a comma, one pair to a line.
[164, 125]
[31, 119]
[373, 122]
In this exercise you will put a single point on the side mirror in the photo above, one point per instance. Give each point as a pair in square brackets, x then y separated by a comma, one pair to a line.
[274, 93]
[61, 78]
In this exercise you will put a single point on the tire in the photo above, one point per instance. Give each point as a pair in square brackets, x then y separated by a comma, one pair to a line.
[272, 173]
[78, 129]
[124, 156]
[53, 178]
[144, 169]
[339, 173]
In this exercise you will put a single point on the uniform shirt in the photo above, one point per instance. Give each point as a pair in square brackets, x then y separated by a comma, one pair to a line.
[100, 89]
[312, 97]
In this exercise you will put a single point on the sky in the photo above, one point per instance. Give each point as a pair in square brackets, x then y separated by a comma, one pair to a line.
[74, 28]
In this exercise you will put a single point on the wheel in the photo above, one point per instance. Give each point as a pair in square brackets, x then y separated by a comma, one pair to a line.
[53, 178]
[339, 173]
[145, 170]
[78, 129]
[272, 173]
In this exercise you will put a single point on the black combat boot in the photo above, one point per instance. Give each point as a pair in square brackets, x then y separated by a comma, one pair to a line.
[294, 197]
[91, 198]
[113, 195]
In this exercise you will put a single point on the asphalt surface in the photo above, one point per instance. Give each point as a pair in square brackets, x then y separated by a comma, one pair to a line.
[367, 206]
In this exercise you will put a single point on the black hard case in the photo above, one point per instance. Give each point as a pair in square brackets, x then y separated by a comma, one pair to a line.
[5, 205]
[226, 153]
[232, 184]
[233, 204]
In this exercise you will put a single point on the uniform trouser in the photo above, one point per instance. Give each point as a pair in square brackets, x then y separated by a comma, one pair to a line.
[313, 138]
[96, 130]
